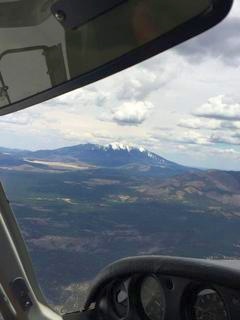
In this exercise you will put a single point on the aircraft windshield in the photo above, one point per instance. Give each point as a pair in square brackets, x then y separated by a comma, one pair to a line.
[42, 47]
[144, 162]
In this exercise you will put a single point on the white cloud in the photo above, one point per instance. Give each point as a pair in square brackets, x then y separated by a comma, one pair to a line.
[132, 113]
[219, 107]
[143, 81]
[16, 119]
[78, 99]
[183, 137]
[235, 12]
[208, 124]
[192, 137]
[195, 123]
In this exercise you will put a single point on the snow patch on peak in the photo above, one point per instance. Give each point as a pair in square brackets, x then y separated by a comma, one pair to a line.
[150, 155]
[141, 149]
[118, 146]
[121, 146]
[156, 157]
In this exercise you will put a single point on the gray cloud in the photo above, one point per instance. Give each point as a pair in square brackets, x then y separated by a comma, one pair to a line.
[139, 88]
[224, 139]
[208, 124]
[223, 42]
[231, 125]
[149, 77]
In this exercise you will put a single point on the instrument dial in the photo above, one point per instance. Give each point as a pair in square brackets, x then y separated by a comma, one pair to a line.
[153, 298]
[120, 299]
[209, 306]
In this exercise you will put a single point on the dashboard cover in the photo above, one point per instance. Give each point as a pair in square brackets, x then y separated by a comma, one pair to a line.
[208, 271]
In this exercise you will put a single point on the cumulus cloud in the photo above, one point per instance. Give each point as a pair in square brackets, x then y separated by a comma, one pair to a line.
[208, 124]
[132, 113]
[220, 108]
[143, 81]
[74, 101]
[190, 137]
[198, 124]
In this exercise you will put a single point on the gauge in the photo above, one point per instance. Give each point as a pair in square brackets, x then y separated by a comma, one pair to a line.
[120, 299]
[209, 306]
[153, 298]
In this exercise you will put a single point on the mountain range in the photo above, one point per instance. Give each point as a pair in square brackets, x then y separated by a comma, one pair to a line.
[92, 155]
[173, 181]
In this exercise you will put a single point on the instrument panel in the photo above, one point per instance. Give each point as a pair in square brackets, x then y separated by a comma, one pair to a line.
[156, 297]
[164, 288]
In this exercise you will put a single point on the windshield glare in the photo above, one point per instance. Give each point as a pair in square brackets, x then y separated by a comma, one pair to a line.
[144, 162]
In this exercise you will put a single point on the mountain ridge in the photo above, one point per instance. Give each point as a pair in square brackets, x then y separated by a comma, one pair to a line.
[86, 156]
[80, 150]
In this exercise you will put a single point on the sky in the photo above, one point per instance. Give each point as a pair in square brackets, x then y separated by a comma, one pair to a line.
[183, 104]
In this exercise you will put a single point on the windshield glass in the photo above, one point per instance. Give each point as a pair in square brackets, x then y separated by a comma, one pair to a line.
[43, 46]
[144, 162]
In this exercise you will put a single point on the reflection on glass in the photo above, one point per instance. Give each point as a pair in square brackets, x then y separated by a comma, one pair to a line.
[66, 53]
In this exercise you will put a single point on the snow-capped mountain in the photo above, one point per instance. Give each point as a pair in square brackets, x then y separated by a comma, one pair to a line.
[111, 155]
